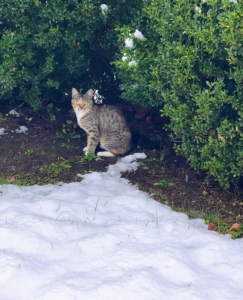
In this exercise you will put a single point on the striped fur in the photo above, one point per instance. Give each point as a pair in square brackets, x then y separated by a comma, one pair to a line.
[103, 124]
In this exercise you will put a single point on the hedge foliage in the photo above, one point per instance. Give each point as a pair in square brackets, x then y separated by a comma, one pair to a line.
[46, 47]
[191, 65]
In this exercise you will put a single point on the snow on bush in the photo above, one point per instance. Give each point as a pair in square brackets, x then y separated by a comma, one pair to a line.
[124, 57]
[129, 43]
[198, 9]
[132, 63]
[138, 34]
[104, 9]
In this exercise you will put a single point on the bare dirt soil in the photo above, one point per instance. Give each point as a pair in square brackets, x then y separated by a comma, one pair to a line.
[51, 152]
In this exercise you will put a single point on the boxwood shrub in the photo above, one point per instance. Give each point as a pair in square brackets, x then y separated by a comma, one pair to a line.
[46, 47]
[190, 65]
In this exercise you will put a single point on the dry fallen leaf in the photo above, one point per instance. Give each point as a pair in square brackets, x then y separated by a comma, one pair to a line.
[212, 132]
[211, 226]
[235, 227]
[148, 119]
[11, 179]
[221, 138]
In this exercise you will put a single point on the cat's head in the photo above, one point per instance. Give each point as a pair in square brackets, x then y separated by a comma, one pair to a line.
[82, 102]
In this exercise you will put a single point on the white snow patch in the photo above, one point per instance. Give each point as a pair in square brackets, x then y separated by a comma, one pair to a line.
[104, 8]
[103, 239]
[129, 43]
[14, 113]
[127, 163]
[138, 34]
[132, 63]
[22, 129]
[124, 57]
[198, 9]
[2, 131]
[98, 98]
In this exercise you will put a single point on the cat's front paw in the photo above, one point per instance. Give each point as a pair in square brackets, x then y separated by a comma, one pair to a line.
[85, 149]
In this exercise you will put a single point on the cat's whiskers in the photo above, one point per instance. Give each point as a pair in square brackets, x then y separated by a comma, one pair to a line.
[72, 113]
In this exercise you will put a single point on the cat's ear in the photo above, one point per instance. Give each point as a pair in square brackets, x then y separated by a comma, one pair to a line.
[90, 93]
[75, 93]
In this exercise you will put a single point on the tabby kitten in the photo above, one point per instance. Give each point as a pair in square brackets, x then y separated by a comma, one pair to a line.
[103, 124]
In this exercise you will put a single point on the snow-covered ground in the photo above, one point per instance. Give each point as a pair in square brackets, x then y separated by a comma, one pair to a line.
[103, 239]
